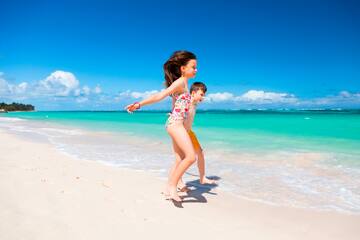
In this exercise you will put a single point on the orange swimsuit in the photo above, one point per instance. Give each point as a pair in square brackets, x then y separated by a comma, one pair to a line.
[194, 141]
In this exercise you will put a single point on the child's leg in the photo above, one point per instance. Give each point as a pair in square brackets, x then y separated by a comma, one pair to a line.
[178, 157]
[184, 146]
[200, 163]
[200, 159]
[181, 185]
[201, 167]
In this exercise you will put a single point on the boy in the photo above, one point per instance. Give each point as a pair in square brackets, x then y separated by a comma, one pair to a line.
[197, 91]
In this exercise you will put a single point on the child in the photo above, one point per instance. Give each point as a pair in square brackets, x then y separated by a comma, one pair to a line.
[178, 69]
[197, 91]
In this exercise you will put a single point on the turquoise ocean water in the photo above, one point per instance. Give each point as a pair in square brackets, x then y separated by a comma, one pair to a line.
[337, 131]
[297, 158]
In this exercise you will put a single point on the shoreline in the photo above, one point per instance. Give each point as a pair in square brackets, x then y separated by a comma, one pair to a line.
[49, 195]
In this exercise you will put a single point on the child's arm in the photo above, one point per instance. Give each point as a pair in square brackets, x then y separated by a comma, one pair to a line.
[173, 103]
[176, 86]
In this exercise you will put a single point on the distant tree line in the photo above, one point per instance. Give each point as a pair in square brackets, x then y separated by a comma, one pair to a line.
[17, 107]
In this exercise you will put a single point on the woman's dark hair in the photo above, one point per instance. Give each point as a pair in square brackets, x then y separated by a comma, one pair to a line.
[172, 66]
[196, 86]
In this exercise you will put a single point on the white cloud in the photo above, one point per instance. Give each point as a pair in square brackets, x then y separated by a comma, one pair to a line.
[59, 83]
[4, 86]
[219, 97]
[86, 90]
[136, 95]
[122, 95]
[342, 98]
[81, 99]
[97, 89]
[143, 95]
[22, 87]
[11, 90]
[252, 96]
[345, 94]
[77, 92]
[259, 96]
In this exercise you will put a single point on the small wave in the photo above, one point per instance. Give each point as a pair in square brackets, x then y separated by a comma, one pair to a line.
[7, 119]
[64, 131]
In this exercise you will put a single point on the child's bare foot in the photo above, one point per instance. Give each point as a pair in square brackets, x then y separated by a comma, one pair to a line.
[173, 194]
[166, 192]
[182, 187]
[205, 180]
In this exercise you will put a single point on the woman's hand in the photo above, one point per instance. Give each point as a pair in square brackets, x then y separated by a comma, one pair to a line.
[132, 107]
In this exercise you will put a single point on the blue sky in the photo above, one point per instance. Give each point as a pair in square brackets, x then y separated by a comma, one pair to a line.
[101, 55]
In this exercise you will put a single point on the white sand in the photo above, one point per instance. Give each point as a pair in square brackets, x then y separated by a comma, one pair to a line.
[45, 194]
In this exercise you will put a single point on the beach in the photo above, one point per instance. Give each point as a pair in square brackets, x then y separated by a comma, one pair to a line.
[48, 194]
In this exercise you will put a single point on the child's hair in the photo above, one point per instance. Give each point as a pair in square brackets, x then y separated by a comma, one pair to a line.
[173, 64]
[196, 86]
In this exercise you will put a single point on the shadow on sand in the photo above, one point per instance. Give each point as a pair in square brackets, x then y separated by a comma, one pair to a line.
[197, 192]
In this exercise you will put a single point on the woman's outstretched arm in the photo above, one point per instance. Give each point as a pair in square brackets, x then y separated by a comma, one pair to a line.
[157, 97]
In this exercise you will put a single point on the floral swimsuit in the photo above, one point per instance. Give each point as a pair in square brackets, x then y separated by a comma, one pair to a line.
[181, 108]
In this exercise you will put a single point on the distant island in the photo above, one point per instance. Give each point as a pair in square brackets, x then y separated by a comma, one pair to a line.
[16, 107]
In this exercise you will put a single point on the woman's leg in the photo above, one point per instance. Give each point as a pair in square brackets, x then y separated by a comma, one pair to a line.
[182, 140]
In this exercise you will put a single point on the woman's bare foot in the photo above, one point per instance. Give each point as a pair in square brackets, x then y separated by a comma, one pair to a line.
[205, 180]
